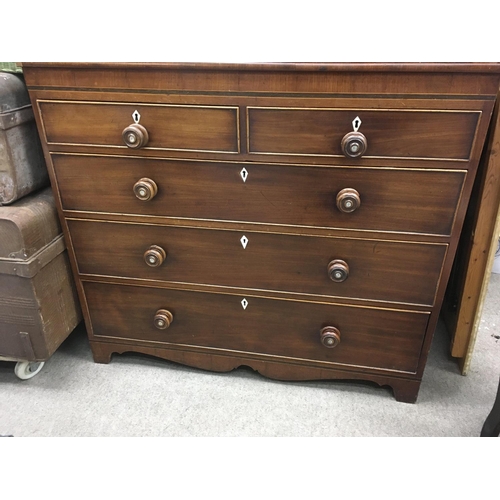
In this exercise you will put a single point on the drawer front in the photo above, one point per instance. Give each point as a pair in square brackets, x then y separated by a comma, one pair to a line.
[390, 133]
[368, 337]
[175, 127]
[401, 200]
[373, 269]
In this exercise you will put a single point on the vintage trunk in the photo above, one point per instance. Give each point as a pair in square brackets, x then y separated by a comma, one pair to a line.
[22, 166]
[38, 302]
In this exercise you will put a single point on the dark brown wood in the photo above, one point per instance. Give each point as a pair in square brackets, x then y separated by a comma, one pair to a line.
[145, 189]
[405, 390]
[338, 270]
[455, 67]
[354, 145]
[391, 199]
[373, 338]
[364, 103]
[330, 336]
[154, 256]
[400, 134]
[368, 78]
[168, 126]
[135, 136]
[163, 319]
[379, 270]
[348, 200]
[264, 303]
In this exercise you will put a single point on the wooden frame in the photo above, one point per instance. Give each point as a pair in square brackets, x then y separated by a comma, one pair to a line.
[468, 284]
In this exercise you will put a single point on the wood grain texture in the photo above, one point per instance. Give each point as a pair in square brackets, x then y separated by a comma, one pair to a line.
[379, 339]
[354, 105]
[361, 79]
[391, 199]
[455, 67]
[287, 195]
[476, 257]
[405, 390]
[168, 126]
[379, 270]
[400, 134]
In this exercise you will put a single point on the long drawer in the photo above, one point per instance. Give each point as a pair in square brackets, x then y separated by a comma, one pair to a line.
[169, 127]
[380, 339]
[369, 269]
[391, 199]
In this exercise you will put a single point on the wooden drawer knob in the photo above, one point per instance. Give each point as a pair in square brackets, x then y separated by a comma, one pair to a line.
[330, 336]
[145, 189]
[348, 200]
[338, 270]
[354, 145]
[163, 319]
[135, 136]
[154, 256]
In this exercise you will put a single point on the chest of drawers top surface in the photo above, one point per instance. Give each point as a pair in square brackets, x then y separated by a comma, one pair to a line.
[301, 219]
[368, 78]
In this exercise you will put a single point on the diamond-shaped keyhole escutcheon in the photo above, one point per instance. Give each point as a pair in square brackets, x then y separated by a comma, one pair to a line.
[244, 174]
[356, 123]
[244, 241]
[136, 116]
[244, 303]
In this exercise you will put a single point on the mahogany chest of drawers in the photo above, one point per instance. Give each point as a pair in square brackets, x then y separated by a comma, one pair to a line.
[300, 219]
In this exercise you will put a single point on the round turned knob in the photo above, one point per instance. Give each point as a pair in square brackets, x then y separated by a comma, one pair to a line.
[354, 144]
[348, 200]
[154, 256]
[330, 336]
[135, 136]
[145, 189]
[338, 270]
[163, 319]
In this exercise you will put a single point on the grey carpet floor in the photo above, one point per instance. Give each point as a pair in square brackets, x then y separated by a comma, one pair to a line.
[137, 395]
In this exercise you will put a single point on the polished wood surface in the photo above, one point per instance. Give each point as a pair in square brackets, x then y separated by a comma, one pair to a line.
[404, 389]
[391, 199]
[168, 126]
[145, 189]
[243, 174]
[330, 336]
[356, 105]
[362, 79]
[379, 270]
[163, 319]
[382, 339]
[135, 136]
[400, 134]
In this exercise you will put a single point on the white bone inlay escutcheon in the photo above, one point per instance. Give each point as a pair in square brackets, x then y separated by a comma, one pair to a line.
[136, 116]
[244, 174]
[356, 123]
[244, 303]
[244, 241]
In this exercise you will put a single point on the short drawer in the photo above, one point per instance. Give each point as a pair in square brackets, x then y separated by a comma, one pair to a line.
[169, 127]
[392, 199]
[421, 134]
[335, 267]
[374, 338]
